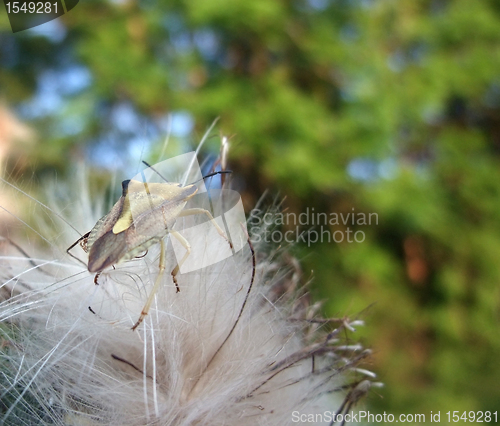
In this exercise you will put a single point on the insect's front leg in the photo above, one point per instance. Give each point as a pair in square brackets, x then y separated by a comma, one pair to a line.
[189, 212]
[83, 243]
[187, 246]
[175, 271]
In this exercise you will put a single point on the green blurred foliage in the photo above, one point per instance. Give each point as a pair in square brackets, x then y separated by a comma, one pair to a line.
[390, 107]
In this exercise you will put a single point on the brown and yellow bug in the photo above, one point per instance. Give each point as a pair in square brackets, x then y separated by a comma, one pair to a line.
[143, 216]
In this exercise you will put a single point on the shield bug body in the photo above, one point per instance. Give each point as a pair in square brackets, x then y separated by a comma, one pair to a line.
[142, 217]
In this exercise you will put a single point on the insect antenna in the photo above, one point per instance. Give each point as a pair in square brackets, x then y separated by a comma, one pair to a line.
[156, 171]
[220, 172]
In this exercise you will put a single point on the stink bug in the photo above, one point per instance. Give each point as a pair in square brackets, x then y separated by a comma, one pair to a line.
[142, 217]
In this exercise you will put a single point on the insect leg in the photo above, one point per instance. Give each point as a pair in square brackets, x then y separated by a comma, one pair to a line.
[74, 244]
[151, 297]
[189, 212]
[187, 246]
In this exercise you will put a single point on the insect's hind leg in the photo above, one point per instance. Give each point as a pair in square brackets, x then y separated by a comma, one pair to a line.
[156, 286]
[189, 212]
